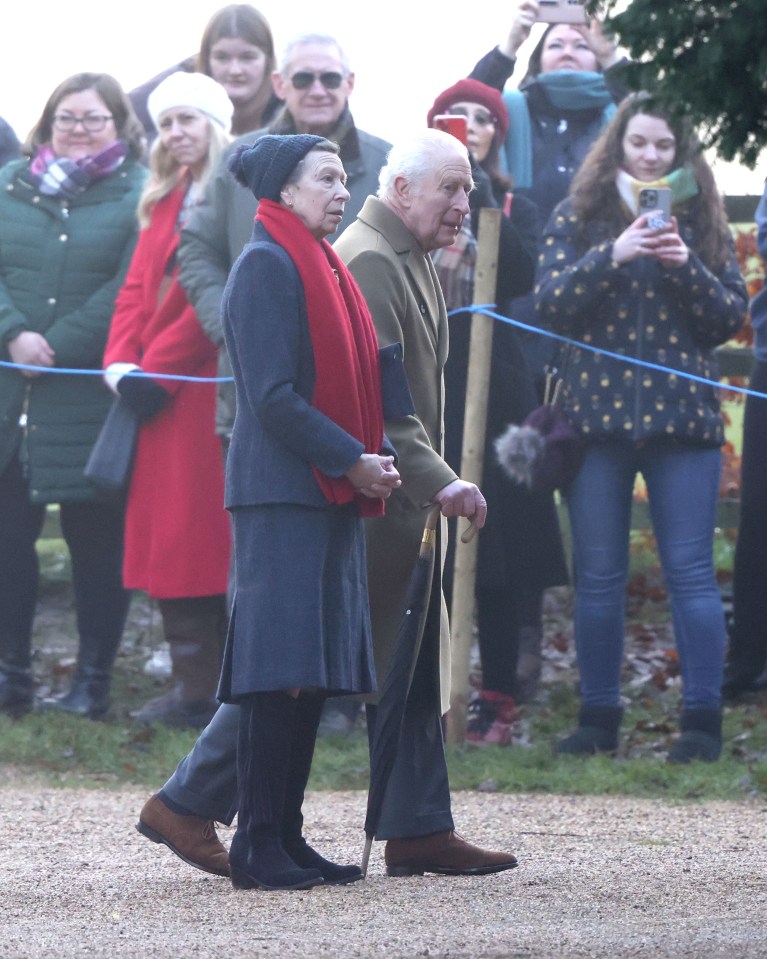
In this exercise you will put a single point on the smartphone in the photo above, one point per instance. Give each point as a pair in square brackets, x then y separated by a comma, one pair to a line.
[561, 11]
[656, 201]
[454, 125]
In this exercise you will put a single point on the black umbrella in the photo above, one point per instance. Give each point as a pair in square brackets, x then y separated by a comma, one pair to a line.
[394, 693]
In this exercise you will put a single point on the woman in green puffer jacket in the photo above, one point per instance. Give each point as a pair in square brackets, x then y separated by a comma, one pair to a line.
[67, 231]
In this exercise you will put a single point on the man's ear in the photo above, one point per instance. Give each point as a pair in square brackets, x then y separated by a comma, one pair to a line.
[278, 84]
[403, 191]
[349, 83]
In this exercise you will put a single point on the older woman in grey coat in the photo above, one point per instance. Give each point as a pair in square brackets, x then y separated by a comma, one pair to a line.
[304, 466]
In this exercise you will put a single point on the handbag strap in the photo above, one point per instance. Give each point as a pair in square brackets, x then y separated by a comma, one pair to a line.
[555, 376]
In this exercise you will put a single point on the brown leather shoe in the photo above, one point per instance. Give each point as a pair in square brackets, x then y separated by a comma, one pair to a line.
[445, 853]
[192, 838]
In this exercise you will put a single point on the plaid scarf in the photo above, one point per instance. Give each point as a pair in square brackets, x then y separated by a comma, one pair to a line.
[60, 176]
[455, 266]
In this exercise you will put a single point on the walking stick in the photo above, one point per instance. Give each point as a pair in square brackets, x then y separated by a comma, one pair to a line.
[474, 428]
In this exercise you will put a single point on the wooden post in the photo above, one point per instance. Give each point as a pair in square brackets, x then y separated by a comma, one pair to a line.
[472, 455]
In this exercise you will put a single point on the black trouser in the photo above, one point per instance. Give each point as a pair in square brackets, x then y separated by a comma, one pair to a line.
[93, 532]
[748, 645]
[501, 616]
[417, 798]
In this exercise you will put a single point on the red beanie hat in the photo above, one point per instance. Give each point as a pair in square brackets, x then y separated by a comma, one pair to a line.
[472, 91]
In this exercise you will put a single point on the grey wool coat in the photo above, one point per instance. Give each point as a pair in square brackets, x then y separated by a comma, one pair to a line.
[401, 288]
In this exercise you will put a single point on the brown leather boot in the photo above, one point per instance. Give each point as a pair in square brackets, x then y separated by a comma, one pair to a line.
[192, 838]
[195, 629]
[445, 853]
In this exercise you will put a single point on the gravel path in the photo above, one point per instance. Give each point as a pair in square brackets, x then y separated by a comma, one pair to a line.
[598, 877]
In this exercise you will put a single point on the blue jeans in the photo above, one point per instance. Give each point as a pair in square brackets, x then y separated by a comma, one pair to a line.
[683, 488]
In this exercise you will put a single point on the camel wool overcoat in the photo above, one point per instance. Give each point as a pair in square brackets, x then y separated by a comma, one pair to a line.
[402, 291]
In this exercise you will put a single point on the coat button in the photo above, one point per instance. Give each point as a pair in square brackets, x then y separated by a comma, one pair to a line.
[35, 199]
[63, 237]
[51, 301]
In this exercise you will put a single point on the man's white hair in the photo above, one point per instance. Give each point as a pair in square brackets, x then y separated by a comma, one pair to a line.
[301, 39]
[415, 159]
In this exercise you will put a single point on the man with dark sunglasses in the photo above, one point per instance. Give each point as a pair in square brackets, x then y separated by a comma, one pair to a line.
[315, 82]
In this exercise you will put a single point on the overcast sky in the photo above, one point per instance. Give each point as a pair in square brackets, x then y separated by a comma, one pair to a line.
[403, 52]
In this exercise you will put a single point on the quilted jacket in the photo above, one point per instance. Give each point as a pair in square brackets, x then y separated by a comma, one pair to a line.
[669, 317]
[61, 265]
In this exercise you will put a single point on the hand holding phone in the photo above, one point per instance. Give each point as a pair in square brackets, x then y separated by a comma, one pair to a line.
[453, 124]
[656, 201]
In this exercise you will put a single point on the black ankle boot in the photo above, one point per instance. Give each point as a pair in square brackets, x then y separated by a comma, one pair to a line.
[16, 690]
[308, 714]
[88, 696]
[333, 873]
[264, 864]
[257, 858]
[700, 737]
[597, 732]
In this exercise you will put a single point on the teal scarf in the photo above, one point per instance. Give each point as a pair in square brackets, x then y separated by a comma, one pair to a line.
[566, 90]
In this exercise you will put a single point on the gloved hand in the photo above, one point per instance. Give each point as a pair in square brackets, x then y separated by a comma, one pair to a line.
[481, 197]
[143, 395]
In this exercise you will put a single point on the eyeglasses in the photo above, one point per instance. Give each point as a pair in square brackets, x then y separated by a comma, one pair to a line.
[481, 117]
[304, 79]
[91, 122]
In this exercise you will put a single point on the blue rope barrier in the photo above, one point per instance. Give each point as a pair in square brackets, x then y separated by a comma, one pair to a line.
[482, 308]
[140, 373]
[485, 310]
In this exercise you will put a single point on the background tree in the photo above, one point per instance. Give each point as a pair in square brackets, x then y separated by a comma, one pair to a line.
[706, 58]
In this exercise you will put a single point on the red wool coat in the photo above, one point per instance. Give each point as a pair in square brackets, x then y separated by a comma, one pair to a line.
[177, 535]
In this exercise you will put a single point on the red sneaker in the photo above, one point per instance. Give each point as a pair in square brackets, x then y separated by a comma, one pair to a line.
[489, 719]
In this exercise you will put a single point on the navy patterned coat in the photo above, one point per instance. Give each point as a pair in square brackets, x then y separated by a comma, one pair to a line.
[673, 317]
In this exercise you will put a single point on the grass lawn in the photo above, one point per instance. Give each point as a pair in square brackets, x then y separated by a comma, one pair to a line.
[63, 750]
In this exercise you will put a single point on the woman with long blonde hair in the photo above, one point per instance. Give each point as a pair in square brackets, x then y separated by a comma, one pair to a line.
[177, 537]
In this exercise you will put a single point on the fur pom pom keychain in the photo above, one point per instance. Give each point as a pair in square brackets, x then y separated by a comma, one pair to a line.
[544, 453]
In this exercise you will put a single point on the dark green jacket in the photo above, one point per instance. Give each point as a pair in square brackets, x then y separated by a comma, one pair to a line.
[61, 266]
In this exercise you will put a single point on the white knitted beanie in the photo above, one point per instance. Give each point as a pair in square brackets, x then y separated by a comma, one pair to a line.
[191, 90]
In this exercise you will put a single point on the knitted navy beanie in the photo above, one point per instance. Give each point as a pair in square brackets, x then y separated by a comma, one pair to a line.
[264, 166]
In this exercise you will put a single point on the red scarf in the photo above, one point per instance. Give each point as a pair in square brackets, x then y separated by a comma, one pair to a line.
[348, 381]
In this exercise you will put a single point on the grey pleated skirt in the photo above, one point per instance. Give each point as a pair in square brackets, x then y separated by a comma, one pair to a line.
[300, 616]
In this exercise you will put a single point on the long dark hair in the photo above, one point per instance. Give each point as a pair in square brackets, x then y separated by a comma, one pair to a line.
[595, 195]
[244, 22]
[127, 124]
